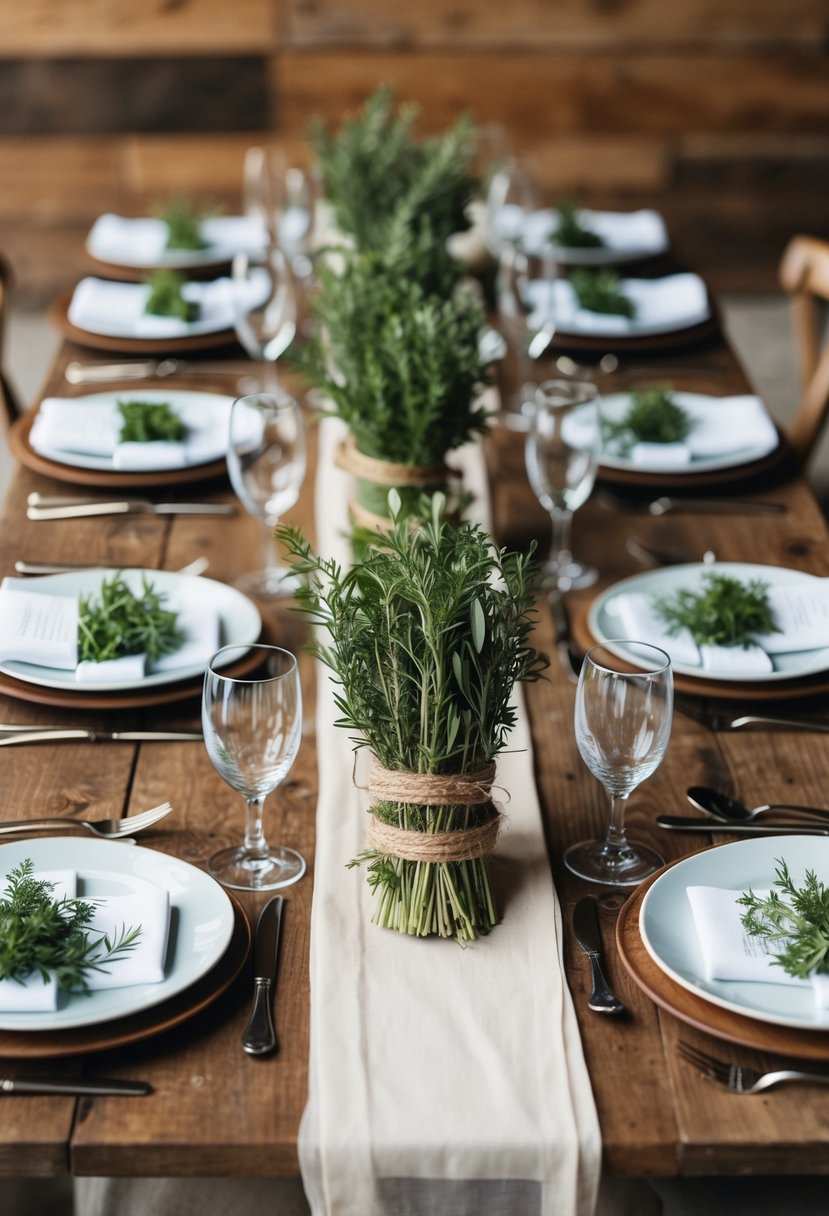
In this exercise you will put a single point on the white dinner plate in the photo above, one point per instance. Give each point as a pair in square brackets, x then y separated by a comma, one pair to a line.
[628, 236]
[201, 922]
[206, 416]
[698, 405]
[239, 622]
[139, 243]
[605, 625]
[666, 305]
[669, 936]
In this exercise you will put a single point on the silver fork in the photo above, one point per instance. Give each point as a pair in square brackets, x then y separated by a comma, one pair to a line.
[742, 1080]
[109, 829]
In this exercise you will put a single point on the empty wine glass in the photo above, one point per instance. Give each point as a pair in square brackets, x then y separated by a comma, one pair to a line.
[511, 197]
[562, 456]
[525, 304]
[252, 727]
[283, 197]
[266, 462]
[623, 723]
[264, 303]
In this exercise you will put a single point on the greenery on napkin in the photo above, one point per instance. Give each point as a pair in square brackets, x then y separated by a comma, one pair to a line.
[183, 225]
[118, 622]
[601, 291]
[653, 416]
[165, 298]
[51, 936]
[794, 921]
[146, 421]
[571, 233]
[727, 612]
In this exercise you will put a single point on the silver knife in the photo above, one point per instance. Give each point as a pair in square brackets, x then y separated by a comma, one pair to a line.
[722, 506]
[260, 1035]
[129, 506]
[146, 369]
[676, 823]
[73, 1085]
[588, 935]
[64, 734]
[569, 663]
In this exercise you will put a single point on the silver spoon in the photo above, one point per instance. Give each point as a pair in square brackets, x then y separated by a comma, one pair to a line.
[726, 809]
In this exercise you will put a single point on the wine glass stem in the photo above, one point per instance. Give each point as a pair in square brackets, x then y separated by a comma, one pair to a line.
[255, 843]
[560, 553]
[269, 550]
[616, 836]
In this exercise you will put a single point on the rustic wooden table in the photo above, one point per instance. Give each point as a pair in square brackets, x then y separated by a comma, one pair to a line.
[214, 1111]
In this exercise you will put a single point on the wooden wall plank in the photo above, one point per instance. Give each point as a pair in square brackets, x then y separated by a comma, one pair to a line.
[57, 177]
[118, 27]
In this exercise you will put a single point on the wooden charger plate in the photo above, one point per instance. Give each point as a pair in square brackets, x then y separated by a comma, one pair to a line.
[42, 1045]
[59, 315]
[695, 1010]
[705, 331]
[677, 481]
[136, 274]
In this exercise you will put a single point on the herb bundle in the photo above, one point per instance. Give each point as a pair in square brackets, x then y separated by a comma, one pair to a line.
[796, 919]
[427, 636]
[145, 421]
[51, 936]
[165, 298]
[120, 623]
[183, 225]
[727, 612]
[601, 291]
[653, 416]
[571, 233]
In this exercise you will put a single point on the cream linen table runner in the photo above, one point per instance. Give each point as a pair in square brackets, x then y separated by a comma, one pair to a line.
[442, 1080]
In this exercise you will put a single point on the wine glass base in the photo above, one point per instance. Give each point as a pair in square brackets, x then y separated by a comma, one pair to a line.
[268, 584]
[571, 577]
[236, 868]
[596, 861]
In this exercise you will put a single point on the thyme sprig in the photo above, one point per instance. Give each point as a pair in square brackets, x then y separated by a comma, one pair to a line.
[145, 421]
[601, 291]
[39, 933]
[571, 233]
[120, 622]
[653, 416]
[727, 612]
[795, 921]
[165, 298]
[183, 222]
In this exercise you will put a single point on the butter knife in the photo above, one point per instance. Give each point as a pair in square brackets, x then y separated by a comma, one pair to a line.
[128, 506]
[678, 823]
[74, 1085]
[147, 369]
[65, 734]
[588, 935]
[260, 1034]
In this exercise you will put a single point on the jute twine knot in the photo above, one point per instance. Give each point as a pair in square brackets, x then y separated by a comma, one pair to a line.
[387, 472]
[431, 789]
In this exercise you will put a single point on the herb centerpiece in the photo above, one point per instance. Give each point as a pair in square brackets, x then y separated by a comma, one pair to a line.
[427, 636]
[727, 612]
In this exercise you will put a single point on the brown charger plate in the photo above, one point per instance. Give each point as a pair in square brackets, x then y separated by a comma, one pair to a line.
[135, 274]
[120, 1032]
[677, 481]
[59, 316]
[740, 690]
[22, 449]
[695, 1010]
[705, 331]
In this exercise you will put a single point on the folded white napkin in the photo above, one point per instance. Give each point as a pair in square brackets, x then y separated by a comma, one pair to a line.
[722, 426]
[729, 953]
[143, 241]
[676, 301]
[146, 905]
[633, 233]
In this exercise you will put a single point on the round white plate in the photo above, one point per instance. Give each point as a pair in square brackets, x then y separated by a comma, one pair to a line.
[540, 224]
[206, 415]
[239, 622]
[201, 922]
[605, 625]
[669, 936]
[140, 243]
[698, 405]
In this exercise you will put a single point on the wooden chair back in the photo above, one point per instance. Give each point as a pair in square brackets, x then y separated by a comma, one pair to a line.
[10, 407]
[804, 274]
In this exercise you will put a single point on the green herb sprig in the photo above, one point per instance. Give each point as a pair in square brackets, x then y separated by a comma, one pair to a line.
[653, 416]
[120, 623]
[145, 421]
[51, 936]
[571, 233]
[727, 612]
[796, 919]
[165, 298]
[183, 225]
[600, 291]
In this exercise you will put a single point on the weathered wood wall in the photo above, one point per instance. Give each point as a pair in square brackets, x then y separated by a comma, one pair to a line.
[717, 111]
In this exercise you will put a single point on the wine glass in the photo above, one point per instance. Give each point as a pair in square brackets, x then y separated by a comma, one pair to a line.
[511, 197]
[562, 456]
[266, 461]
[252, 727]
[525, 304]
[623, 723]
[283, 197]
[264, 303]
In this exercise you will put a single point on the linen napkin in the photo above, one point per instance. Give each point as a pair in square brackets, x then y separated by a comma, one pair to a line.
[440, 1079]
[676, 301]
[722, 426]
[635, 234]
[143, 241]
[729, 953]
[146, 905]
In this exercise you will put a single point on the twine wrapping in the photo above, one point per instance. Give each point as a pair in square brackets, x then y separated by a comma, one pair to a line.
[431, 789]
[364, 518]
[387, 472]
[463, 845]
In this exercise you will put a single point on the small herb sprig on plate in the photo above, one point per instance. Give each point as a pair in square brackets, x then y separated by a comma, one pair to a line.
[653, 416]
[571, 233]
[165, 298]
[120, 623]
[727, 612]
[600, 291]
[145, 421]
[51, 936]
[183, 225]
[796, 919]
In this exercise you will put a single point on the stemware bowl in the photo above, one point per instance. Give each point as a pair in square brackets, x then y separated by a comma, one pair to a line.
[623, 721]
[265, 323]
[266, 461]
[252, 727]
[562, 456]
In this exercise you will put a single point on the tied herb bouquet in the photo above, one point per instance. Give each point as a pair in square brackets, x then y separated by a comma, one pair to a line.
[427, 637]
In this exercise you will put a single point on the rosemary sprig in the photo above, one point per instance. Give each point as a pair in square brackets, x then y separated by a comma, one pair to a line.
[727, 612]
[600, 291]
[796, 919]
[145, 421]
[51, 936]
[653, 416]
[571, 233]
[120, 623]
[165, 298]
[183, 225]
